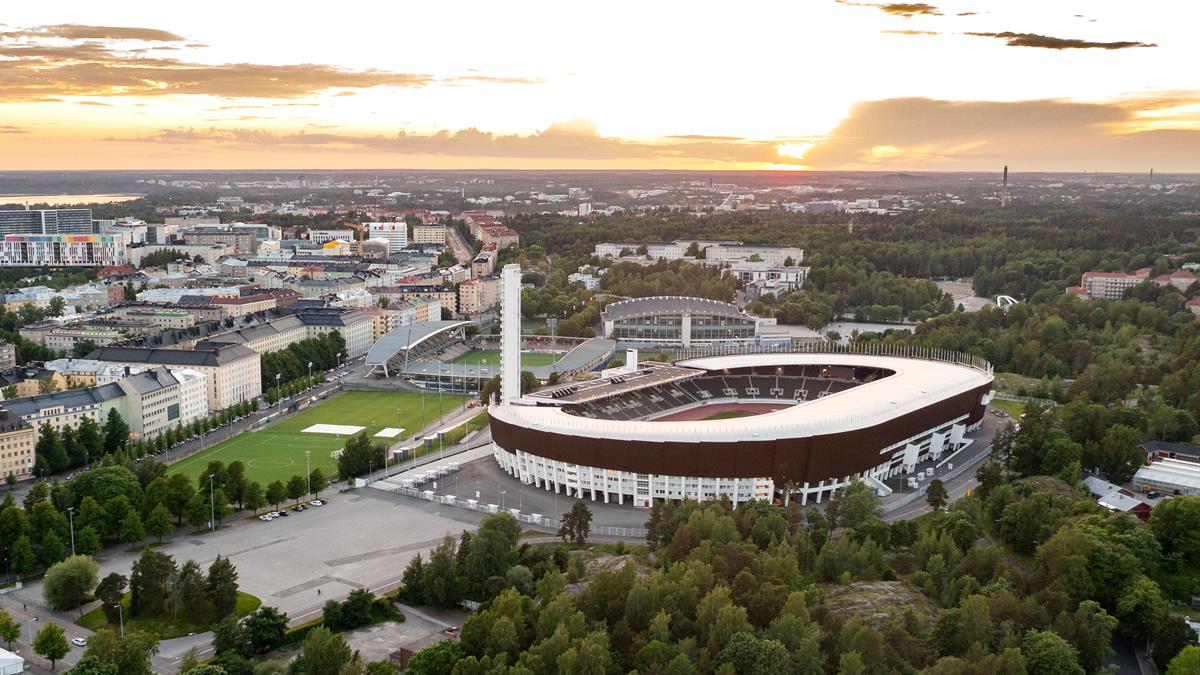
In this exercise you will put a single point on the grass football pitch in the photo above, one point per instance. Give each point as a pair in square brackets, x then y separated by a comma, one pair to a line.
[276, 452]
[477, 356]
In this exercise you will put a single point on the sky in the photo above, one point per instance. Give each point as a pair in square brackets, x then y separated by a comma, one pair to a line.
[949, 85]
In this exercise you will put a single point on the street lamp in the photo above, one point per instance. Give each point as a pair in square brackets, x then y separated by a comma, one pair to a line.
[502, 493]
[121, 616]
[307, 471]
[278, 388]
[71, 515]
[310, 373]
[212, 504]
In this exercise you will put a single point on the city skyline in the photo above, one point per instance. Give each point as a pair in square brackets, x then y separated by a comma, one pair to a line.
[826, 84]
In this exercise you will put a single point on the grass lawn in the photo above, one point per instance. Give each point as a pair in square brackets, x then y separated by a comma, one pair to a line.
[1013, 408]
[475, 357]
[276, 452]
[728, 415]
[162, 626]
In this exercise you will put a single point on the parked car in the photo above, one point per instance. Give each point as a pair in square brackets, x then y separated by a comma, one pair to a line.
[266, 517]
[79, 642]
[450, 631]
[1153, 494]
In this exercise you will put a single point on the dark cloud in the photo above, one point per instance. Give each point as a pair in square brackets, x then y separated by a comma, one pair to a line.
[566, 141]
[904, 9]
[75, 60]
[1048, 42]
[971, 135]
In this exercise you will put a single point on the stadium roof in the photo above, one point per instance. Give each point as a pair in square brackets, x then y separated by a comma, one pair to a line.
[669, 304]
[405, 338]
[915, 385]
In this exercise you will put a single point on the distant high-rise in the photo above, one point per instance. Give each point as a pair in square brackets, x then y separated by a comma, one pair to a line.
[510, 334]
[48, 221]
[1004, 189]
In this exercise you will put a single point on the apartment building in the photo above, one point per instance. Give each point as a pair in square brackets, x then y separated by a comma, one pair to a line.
[159, 399]
[484, 263]
[17, 441]
[444, 295]
[477, 295]
[232, 371]
[245, 304]
[1108, 285]
[62, 250]
[8, 355]
[429, 234]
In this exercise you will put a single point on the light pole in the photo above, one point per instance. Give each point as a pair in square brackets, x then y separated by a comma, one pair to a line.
[121, 616]
[310, 373]
[502, 493]
[278, 389]
[71, 516]
[307, 471]
[212, 503]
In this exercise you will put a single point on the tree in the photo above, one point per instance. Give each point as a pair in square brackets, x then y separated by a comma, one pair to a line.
[10, 630]
[323, 652]
[265, 628]
[148, 581]
[296, 488]
[51, 643]
[132, 530]
[87, 436]
[23, 559]
[110, 592]
[67, 584]
[90, 665]
[360, 456]
[1175, 523]
[230, 636]
[1173, 636]
[116, 432]
[1119, 457]
[235, 483]
[50, 452]
[436, 659]
[253, 497]
[1046, 653]
[1141, 609]
[576, 524]
[936, 495]
[317, 482]
[223, 587]
[276, 493]
[1186, 663]
[159, 522]
[190, 593]
[129, 653]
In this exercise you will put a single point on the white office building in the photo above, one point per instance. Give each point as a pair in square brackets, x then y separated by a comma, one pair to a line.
[396, 234]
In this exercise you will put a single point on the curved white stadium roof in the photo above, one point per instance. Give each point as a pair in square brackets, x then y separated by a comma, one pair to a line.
[916, 384]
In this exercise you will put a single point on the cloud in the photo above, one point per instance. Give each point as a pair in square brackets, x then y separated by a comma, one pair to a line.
[1048, 42]
[910, 32]
[106, 105]
[71, 31]
[904, 9]
[75, 60]
[10, 129]
[574, 140]
[1039, 134]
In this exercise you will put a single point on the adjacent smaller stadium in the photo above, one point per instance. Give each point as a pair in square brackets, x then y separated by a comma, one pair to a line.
[770, 425]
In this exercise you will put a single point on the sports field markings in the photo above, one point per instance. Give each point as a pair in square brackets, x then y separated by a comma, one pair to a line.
[270, 462]
[338, 429]
[390, 432]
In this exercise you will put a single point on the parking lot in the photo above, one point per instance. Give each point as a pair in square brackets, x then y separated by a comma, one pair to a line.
[296, 563]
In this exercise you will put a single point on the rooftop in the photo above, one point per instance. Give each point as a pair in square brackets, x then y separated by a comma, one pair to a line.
[669, 304]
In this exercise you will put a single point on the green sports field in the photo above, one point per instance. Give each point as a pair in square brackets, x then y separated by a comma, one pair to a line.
[276, 452]
[493, 358]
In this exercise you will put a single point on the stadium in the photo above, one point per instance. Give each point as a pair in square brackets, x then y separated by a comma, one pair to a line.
[775, 425]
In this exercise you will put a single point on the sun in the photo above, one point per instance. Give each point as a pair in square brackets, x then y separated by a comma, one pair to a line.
[796, 150]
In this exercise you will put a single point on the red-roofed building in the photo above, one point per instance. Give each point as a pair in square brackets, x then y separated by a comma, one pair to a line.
[1109, 285]
[1181, 279]
[115, 271]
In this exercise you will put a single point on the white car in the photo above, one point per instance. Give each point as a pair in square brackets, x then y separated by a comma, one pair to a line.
[79, 642]
[317, 502]
[266, 517]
